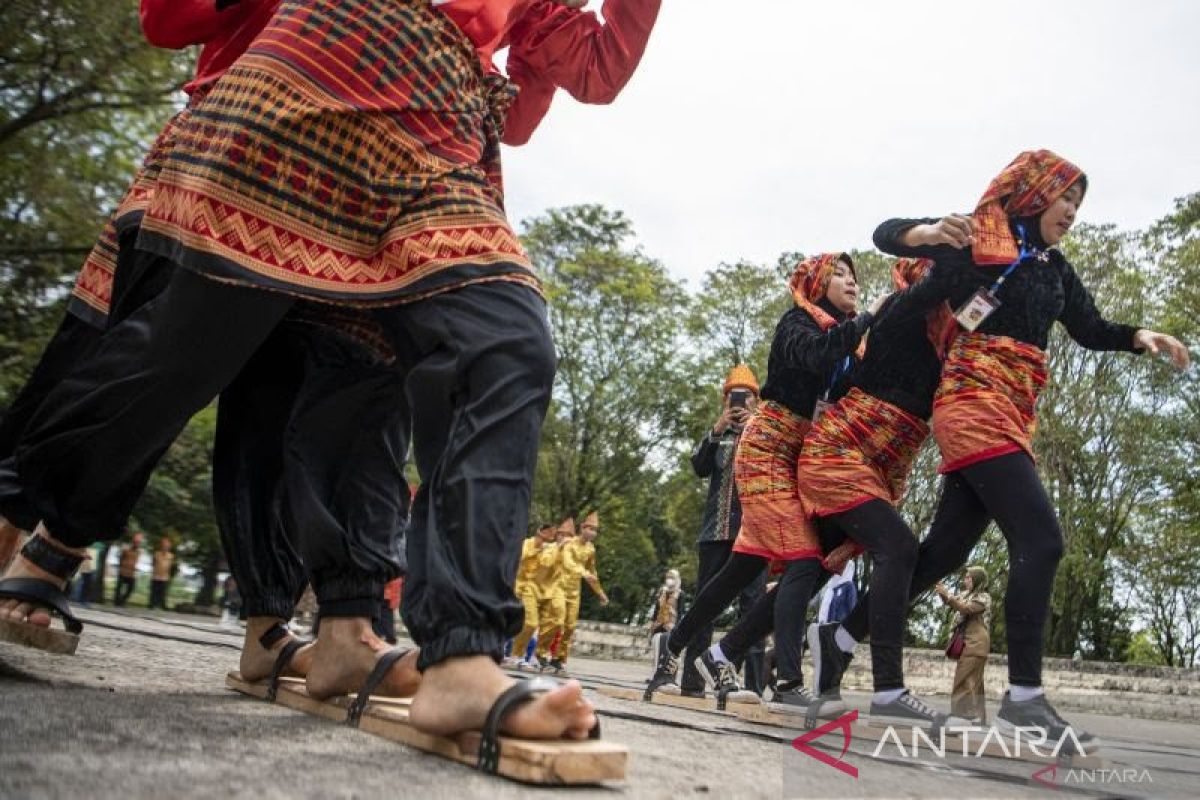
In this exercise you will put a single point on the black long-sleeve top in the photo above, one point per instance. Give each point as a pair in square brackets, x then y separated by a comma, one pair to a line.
[805, 358]
[1033, 296]
[901, 366]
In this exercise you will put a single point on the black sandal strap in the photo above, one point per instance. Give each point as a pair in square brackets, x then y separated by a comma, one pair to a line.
[273, 634]
[489, 741]
[40, 593]
[382, 667]
[286, 654]
[46, 556]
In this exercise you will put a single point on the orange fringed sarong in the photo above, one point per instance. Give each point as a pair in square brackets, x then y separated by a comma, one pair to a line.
[861, 449]
[774, 524]
[986, 404]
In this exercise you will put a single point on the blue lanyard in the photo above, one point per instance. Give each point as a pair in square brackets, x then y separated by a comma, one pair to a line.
[1026, 252]
[841, 369]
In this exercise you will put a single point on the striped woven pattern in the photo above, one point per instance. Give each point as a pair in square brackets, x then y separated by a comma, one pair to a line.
[774, 523]
[860, 449]
[350, 156]
[986, 404]
[92, 296]
[1026, 187]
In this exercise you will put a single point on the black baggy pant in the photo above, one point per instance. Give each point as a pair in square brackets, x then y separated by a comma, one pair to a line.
[1005, 489]
[480, 367]
[89, 449]
[713, 556]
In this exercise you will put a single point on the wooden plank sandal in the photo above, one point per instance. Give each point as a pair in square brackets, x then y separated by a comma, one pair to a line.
[34, 591]
[555, 762]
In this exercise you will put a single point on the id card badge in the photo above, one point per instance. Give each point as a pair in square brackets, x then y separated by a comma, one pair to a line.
[819, 410]
[972, 313]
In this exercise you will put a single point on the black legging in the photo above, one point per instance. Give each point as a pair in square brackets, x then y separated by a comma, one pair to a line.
[802, 579]
[878, 527]
[786, 605]
[1005, 489]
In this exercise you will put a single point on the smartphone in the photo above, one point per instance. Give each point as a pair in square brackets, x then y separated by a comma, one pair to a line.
[738, 398]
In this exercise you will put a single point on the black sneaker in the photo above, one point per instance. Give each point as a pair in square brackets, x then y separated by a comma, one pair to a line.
[666, 665]
[794, 698]
[1038, 713]
[910, 710]
[721, 677]
[555, 665]
[829, 660]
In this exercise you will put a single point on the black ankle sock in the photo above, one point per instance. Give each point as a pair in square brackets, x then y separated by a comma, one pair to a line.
[787, 686]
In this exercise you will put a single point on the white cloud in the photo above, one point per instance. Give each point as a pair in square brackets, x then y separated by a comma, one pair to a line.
[765, 125]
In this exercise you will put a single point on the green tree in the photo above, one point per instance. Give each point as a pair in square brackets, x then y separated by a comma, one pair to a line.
[81, 95]
[615, 410]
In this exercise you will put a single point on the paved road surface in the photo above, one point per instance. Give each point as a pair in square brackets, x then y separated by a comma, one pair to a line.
[141, 712]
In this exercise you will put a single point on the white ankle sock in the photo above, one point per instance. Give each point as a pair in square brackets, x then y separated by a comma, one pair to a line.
[1020, 694]
[888, 696]
[845, 642]
[717, 653]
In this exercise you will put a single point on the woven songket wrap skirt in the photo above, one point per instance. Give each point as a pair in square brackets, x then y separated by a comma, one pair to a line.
[986, 403]
[774, 523]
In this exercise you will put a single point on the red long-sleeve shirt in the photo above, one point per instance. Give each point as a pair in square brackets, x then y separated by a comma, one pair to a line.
[554, 47]
[224, 35]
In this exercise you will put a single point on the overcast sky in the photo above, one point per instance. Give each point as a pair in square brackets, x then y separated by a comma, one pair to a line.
[758, 126]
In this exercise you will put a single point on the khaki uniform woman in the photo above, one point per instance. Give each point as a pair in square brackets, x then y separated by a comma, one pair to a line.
[974, 607]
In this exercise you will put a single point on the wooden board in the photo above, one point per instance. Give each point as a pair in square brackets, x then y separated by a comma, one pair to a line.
[52, 640]
[863, 731]
[548, 763]
[706, 704]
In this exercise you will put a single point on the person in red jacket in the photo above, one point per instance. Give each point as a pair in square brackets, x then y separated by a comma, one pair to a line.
[351, 158]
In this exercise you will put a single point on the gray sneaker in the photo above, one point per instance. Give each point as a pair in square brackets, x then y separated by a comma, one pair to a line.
[796, 699]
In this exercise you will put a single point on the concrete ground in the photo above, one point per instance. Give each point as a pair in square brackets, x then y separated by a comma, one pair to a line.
[141, 711]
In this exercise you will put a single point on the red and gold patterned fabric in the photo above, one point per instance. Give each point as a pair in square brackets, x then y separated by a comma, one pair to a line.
[351, 156]
[92, 295]
[774, 523]
[224, 35]
[986, 404]
[860, 449]
[1026, 187]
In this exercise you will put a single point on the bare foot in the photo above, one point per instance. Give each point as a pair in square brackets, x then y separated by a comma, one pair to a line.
[257, 661]
[457, 694]
[344, 655]
[17, 611]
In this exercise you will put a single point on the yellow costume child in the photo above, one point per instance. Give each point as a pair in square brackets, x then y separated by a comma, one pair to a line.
[579, 564]
[539, 579]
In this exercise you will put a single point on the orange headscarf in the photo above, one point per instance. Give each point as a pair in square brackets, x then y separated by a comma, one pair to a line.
[809, 283]
[939, 323]
[1026, 187]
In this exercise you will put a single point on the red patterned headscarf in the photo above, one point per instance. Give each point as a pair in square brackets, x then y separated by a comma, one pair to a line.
[940, 325]
[810, 281]
[1026, 187]
[809, 284]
